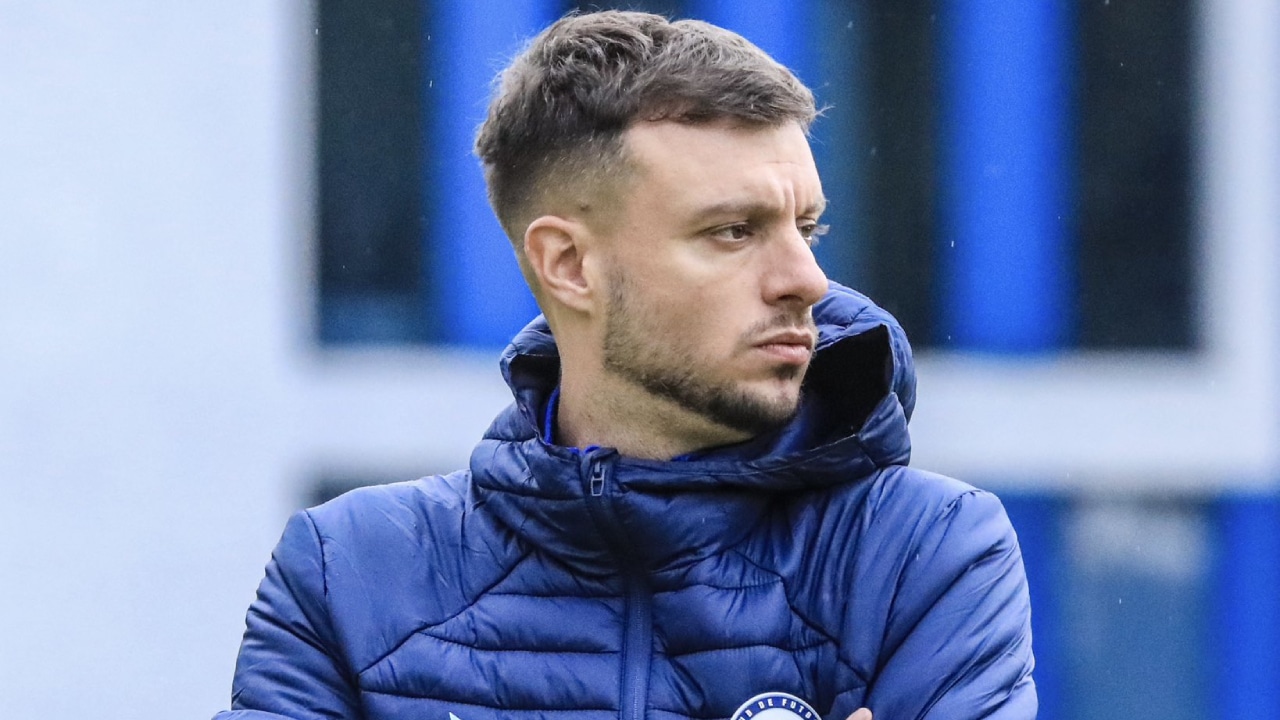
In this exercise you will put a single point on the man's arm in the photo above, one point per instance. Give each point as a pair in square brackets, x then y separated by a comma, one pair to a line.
[288, 667]
[958, 640]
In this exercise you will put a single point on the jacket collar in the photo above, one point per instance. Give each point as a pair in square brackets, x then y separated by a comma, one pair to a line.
[857, 400]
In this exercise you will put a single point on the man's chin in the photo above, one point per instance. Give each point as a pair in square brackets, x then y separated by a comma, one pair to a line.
[761, 411]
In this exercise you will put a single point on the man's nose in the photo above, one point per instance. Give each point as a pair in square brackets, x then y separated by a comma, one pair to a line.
[793, 275]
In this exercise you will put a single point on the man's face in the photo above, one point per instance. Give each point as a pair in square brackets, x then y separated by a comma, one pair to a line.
[710, 273]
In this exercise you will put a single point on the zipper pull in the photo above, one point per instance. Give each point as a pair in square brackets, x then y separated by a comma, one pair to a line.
[597, 479]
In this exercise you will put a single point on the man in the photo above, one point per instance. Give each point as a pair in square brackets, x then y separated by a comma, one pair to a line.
[698, 505]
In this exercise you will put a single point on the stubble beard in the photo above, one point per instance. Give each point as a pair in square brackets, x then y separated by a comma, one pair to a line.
[634, 351]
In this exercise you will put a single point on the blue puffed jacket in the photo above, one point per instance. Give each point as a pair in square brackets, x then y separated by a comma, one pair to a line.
[546, 582]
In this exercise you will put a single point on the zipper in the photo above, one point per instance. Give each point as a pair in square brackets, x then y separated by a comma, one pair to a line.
[637, 649]
[637, 634]
[597, 479]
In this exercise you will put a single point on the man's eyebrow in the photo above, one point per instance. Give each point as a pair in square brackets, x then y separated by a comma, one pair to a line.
[753, 208]
[816, 208]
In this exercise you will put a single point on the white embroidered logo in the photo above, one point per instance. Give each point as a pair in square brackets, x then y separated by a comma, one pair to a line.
[775, 706]
[454, 717]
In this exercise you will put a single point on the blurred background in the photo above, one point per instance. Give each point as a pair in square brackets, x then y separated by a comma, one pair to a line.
[246, 263]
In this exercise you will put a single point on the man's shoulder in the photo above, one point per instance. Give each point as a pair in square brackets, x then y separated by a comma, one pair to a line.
[903, 491]
[401, 537]
[902, 507]
[904, 488]
[890, 544]
[928, 510]
[421, 503]
[392, 559]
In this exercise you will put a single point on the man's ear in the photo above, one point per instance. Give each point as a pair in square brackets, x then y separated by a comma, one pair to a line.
[555, 249]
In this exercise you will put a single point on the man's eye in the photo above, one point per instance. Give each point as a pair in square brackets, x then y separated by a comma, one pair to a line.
[813, 231]
[736, 233]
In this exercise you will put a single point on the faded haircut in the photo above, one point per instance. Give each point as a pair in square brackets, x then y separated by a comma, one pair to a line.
[560, 109]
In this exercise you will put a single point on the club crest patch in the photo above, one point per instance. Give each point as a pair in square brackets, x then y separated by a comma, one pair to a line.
[775, 706]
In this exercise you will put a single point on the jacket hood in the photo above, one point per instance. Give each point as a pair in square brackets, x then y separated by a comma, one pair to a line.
[857, 397]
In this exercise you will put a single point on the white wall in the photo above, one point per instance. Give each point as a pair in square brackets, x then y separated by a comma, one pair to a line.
[161, 406]
[143, 339]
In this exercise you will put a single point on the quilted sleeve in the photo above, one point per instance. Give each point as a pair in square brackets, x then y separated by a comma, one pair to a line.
[958, 639]
[288, 666]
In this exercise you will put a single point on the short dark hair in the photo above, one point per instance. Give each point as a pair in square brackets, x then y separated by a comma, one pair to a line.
[561, 107]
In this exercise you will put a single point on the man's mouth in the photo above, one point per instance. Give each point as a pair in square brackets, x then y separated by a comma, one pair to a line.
[788, 346]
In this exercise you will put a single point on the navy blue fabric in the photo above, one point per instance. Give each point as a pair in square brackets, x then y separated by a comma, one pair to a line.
[550, 582]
